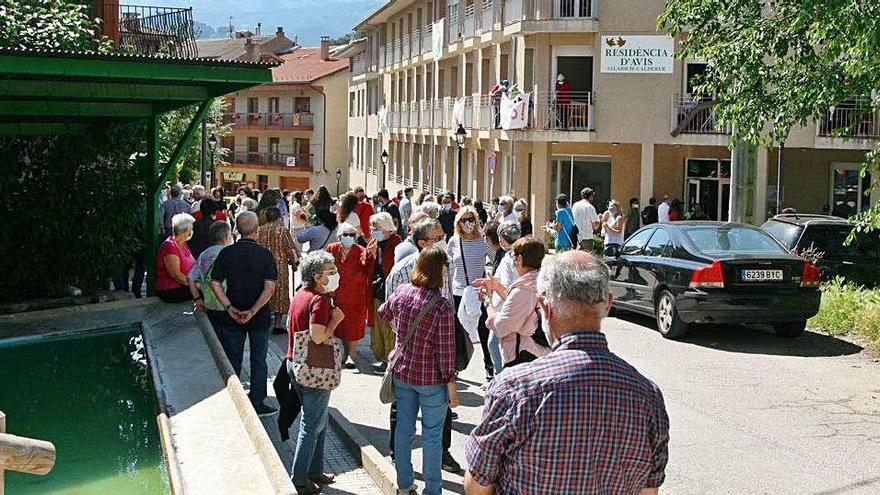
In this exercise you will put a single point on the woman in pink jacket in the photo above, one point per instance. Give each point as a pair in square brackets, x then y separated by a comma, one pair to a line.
[517, 320]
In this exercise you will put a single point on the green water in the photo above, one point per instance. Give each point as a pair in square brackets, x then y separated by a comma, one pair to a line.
[88, 396]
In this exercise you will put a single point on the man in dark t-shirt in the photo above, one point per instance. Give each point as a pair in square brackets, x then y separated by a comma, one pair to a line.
[385, 204]
[250, 275]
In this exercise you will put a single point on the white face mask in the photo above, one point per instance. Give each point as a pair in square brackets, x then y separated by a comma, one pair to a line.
[332, 282]
[545, 326]
[468, 227]
[519, 215]
[446, 207]
[441, 245]
[190, 236]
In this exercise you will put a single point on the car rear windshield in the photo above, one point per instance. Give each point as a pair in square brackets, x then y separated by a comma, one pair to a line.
[785, 233]
[830, 239]
[733, 239]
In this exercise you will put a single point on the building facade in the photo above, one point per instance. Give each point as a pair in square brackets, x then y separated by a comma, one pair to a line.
[626, 133]
[288, 134]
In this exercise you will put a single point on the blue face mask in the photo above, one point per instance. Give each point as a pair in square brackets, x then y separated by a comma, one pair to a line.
[346, 241]
[378, 235]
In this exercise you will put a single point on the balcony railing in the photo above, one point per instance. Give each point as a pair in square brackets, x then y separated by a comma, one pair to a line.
[854, 118]
[469, 23]
[486, 16]
[299, 120]
[279, 158]
[425, 114]
[146, 30]
[694, 115]
[427, 39]
[570, 112]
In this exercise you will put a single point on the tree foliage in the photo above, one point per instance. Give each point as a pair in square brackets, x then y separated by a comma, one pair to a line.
[57, 24]
[775, 65]
[346, 38]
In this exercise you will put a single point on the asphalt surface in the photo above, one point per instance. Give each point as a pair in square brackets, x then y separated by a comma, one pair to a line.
[750, 413]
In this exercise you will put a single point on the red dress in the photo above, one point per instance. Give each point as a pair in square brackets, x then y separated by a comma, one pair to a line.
[355, 276]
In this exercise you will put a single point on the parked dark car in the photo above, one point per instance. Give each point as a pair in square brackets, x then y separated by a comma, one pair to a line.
[858, 263]
[712, 272]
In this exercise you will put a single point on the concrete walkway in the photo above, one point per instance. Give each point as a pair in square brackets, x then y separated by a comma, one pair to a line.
[351, 478]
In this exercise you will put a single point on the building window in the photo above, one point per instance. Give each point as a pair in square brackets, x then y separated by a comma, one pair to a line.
[253, 105]
[274, 105]
[352, 104]
[302, 104]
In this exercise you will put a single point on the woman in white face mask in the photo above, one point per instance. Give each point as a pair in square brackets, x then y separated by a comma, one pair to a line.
[383, 240]
[313, 310]
[521, 210]
[612, 225]
[354, 265]
[467, 251]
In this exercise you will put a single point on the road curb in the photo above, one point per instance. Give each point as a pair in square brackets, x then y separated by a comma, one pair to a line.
[374, 463]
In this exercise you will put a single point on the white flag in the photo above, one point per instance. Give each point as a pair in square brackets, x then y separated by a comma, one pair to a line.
[515, 111]
[383, 120]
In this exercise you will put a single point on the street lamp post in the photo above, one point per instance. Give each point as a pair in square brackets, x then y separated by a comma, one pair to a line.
[338, 176]
[212, 142]
[384, 166]
[460, 134]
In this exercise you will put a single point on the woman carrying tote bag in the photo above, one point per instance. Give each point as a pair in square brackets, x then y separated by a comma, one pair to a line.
[315, 361]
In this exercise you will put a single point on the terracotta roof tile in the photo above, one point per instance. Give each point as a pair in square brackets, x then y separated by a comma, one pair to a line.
[305, 65]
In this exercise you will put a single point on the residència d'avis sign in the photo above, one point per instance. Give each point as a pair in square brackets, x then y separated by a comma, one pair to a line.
[637, 54]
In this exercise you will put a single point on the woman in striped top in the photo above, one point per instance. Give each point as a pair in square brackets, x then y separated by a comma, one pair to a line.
[467, 251]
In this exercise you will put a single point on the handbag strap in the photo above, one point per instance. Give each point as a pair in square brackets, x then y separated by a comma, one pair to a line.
[467, 279]
[572, 224]
[409, 333]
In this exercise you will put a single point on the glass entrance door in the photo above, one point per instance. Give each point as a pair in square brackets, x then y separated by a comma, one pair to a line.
[708, 187]
[571, 173]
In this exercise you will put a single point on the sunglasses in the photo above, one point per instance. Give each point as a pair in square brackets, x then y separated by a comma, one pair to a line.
[348, 235]
[468, 220]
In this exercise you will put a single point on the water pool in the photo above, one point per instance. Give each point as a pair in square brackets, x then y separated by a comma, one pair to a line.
[94, 400]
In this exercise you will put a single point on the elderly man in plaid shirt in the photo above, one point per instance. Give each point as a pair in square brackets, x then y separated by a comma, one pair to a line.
[581, 400]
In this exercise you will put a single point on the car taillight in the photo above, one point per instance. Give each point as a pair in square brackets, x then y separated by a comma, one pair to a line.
[708, 276]
[810, 276]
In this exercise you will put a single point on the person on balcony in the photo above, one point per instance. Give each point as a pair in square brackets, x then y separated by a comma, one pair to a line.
[563, 100]
[495, 93]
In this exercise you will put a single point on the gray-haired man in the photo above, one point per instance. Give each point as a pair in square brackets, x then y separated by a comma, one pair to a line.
[250, 275]
[172, 207]
[581, 400]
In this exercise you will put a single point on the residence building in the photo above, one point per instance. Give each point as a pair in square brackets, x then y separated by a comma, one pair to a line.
[625, 122]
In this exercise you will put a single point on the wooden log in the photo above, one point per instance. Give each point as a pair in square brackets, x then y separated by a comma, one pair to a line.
[26, 455]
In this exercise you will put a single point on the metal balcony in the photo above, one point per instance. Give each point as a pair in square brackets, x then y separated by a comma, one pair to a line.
[854, 118]
[694, 115]
[147, 30]
[272, 158]
[282, 121]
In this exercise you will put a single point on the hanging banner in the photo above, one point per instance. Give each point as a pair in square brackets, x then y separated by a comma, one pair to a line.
[515, 111]
[291, 161]
[233, 176]
[637, 54]
[429, 172]
[437, 39]
[383, 120]
[490, 163]
[458, 113]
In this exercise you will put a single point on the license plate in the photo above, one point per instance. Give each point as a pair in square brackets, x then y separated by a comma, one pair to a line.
[761, 275]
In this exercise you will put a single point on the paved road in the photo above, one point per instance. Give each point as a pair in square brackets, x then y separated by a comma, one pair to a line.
[750, 413]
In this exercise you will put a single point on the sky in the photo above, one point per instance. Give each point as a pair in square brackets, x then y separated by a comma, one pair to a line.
[307, 19]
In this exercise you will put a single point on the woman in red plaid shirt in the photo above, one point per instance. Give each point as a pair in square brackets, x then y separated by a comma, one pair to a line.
[424, 372]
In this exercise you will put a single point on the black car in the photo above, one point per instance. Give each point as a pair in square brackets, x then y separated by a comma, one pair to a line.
[712, 272]
[858, 262]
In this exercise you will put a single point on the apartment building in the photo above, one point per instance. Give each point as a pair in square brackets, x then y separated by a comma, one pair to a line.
[625, 122]
[289, 133]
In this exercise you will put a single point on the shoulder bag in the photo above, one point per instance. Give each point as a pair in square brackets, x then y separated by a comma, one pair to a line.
[386, 391]
[464, 348]
[316, 365]
[523, 356]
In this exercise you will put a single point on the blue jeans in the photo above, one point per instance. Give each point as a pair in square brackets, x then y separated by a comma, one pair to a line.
[433, 400]
[308, 461]
[495, 352]
[233, 344]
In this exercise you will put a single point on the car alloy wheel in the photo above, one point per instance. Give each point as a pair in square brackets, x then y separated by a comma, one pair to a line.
[668, 322]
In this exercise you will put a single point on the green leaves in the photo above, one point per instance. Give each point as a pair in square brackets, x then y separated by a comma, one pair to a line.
[58, 25]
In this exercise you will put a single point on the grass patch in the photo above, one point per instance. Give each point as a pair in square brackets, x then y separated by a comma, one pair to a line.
[847, 309]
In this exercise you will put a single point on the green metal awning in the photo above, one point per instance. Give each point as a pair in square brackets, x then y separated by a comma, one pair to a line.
[47, 92]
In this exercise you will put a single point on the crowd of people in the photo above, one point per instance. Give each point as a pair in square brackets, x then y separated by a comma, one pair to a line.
[427, 276]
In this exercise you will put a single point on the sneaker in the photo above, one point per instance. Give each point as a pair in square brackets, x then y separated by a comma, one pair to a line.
[454, 415]
[323, 479]
[349, 365]
[449, 464]
[409, 491]
[380, 368]
[279, 331]
[264, 410]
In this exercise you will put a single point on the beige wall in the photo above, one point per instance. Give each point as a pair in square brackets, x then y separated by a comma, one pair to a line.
[807, 176]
